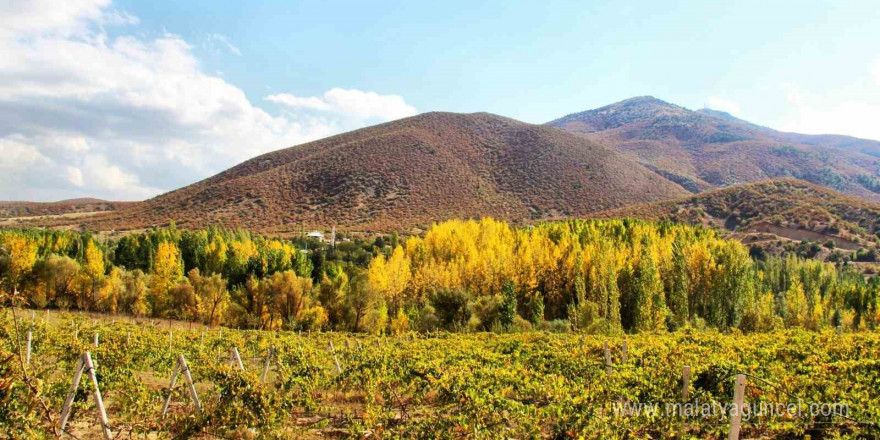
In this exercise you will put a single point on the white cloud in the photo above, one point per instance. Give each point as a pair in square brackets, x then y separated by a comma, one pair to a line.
[723, 105]
[355, 104]
[128, 117]
[214, 40]
[814, 114]
[75, 176]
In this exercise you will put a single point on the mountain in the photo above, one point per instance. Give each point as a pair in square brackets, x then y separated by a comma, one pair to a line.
[782, 208]
[706, 149]
[31, 209]
[409, 173]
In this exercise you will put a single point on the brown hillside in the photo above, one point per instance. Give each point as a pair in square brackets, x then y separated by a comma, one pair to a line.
[708, 149]
[408, 173]
[787, 208]
[32, 209]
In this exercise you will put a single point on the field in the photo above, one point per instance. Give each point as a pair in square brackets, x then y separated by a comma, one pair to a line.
[442, 385]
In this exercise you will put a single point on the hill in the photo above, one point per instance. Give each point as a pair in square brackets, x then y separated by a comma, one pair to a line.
[32, 209]
[708, 149]
[770, 210]
[407, 173]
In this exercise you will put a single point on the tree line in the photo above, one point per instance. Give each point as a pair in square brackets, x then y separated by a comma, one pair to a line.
[600, 276]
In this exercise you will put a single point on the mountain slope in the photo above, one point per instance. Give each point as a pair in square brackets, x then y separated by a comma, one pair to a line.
[410, 172]
[788, 208]
[708, 149]
[29, 209]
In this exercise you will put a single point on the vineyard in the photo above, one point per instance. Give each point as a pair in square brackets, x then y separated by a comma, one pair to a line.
[437, 385]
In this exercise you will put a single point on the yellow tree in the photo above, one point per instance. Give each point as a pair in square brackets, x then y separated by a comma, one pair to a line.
[215, 254]
[167, 270]
[93, 269]
[212, 296]
[22, 254]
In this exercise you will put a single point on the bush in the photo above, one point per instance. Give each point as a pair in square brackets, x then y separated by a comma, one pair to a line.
[451, 307]
[487, 311]
[556, 326]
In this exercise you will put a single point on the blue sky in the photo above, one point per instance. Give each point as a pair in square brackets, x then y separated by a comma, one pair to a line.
[535, 61]
[127, 99]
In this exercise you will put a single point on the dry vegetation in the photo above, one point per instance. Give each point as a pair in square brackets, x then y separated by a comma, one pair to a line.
[708, 149]
[408, 173]
[9, 210]
[773, 210]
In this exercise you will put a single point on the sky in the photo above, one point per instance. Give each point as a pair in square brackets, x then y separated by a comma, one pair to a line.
[124, 99]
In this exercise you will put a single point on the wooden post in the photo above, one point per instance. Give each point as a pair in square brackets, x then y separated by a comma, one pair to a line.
[685, 383]
[266, 365]
[170, 389]
[96, 340]
[335, 359]
[127, 337]
[685, 395]
[77, 376]
[189, 381]
[235, 358]
[170, 338]
[625, 354]
[608, 367]
[736, 417]
[99, 402]
[27, 355]
[182, 367]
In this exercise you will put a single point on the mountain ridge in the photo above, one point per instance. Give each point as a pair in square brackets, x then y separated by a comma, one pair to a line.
[409, 173]
[708, 149]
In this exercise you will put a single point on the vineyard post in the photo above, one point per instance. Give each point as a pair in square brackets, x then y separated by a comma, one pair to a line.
[170, 389]
[736, 417]
[182, 367]
[47, 317]
[127, 337]
[235, 358]
[77, 376]
[335, 359]
[189, 381]
[33, 318]
[347, 344]
[170, 338]
[685, 395]
[607, 359]
[85, 365]
[266, 365]
[27, 357]
[625, 354]
[95, 340]
[76, 333]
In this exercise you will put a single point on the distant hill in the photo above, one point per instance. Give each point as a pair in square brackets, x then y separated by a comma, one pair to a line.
[786, 208]
[32, 209]
[409, 173]
[708, 149]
